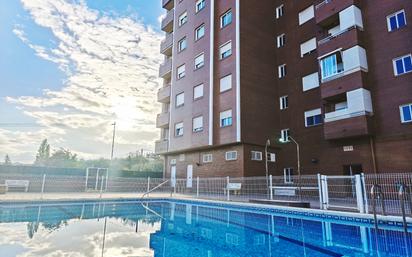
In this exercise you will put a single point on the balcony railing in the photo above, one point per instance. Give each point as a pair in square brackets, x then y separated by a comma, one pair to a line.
[167, 43]
[167, 22]
[161, 146]
[162, 120]
[337, 34]
[344, 114]
[165, 68]
[322, 3]
[163, 95]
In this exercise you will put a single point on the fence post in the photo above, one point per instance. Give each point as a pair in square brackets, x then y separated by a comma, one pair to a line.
[197, 187]
[42, 186]
[148, 185]
[359, 194]
[227, 188]
[270, 187]
[365, 193]
[320, 191]
[87, 180]
[101, 187]
[325, 192]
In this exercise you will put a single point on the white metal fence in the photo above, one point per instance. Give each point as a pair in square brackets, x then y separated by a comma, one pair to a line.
[352, 193]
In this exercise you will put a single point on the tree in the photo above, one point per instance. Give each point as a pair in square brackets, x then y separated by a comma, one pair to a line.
[63, 158]
[7, 160]
[43, 154]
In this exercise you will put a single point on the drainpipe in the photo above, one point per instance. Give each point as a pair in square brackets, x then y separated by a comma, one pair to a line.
[372, 146]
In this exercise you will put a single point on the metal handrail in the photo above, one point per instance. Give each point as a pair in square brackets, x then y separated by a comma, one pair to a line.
[376, 193]
[405, 192]
[153, 189]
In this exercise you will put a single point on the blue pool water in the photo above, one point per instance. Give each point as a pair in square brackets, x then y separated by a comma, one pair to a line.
[178, 229]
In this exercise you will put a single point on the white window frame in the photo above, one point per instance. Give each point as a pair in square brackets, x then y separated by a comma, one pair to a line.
[310, 81]
[179, 128]
[197, 37]
[201, 63]
[231, 156]
[284, 135]
[284, 102]
[200, 128]
[256, 155]
[180, 99]
[200, 5]
[222, 53]
[312, 113]
[282, 70]
[288, 175]
[182, 20]
[179, 44]
[181, 73]
[223, 16]
[195, 97]
[395, 68]
[207, 158]
[222, 83]
[225, 115]
[280, 11]
[281, 40]
[308, 47]
[390, 29]
[403, 115]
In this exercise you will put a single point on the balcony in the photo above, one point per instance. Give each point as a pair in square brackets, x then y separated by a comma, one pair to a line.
[347, 83]
[167, 22]
[342, 39]
[168, 4]
[166, 45]
[339, 63]
[326, 9]
[165, 69]
[163, 95]
[161, 146]
[351, 117]
[162, 120]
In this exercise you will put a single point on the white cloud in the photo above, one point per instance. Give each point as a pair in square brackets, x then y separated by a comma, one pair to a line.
[111, 63]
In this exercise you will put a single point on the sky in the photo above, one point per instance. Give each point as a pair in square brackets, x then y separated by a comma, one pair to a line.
[70, 68]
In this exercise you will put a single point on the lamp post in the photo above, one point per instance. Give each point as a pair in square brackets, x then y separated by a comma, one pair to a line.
[298, 159]
[266, 164]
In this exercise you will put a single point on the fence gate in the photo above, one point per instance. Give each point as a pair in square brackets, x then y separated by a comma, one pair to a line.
[343, 192]
[96, 179]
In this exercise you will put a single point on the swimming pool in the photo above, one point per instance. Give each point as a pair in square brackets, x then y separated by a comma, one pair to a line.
[186, 228]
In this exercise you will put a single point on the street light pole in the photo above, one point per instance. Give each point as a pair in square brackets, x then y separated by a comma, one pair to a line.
[266, 164]
[114, 134]
[298, 157]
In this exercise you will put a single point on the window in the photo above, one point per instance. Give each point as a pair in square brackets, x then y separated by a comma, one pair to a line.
[284, 102]
[231, 156]
[282, 71]
[200, 32]
[281, 40]
[207, 158]
[308, 47]
[180, 99]
[271, 157]
[182, 19]
[313, 117]
[279, 11]
[331, 65]
[310, 81]
[182, 44]
[288, 175]
[406, 113]
[198, 92]
[179, 129]
[225, 50]
[256, 156]
[284, 135]
[199, 61]
[226, 19]
[182, 157]
[198, 124]
[402, 65]
[226, 118]
[226, 83]
[306, 14]
[200, 4]
[181, 71]
[396, 21]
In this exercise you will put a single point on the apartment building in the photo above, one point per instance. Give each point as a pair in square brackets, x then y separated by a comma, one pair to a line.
[334, 77]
